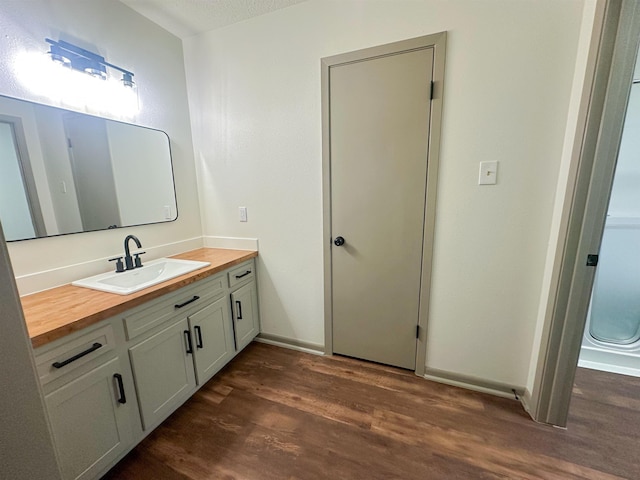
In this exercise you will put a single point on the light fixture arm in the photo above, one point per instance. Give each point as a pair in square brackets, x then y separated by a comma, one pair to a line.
[85, 61]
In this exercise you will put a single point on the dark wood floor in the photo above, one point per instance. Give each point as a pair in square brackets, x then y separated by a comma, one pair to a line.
[279, 414]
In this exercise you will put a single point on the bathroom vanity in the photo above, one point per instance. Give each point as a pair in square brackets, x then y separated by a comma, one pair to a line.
[113, 367]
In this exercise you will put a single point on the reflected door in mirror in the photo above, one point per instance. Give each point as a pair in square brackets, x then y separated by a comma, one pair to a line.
[90, 157]
[18, 211]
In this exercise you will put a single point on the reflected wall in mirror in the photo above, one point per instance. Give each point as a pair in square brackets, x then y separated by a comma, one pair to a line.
[66, 172]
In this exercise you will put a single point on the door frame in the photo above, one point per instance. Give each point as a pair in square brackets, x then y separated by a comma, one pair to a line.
[593, 162]
[28, 178]
[438, 43]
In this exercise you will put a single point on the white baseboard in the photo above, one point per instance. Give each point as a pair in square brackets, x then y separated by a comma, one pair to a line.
[473, 383]
[290, 344]
[232, 243]
[39, 281]
[527, 400]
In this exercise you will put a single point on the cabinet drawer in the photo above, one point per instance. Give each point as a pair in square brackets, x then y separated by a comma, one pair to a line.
[181, 302]
[72, 352]
[241, 273]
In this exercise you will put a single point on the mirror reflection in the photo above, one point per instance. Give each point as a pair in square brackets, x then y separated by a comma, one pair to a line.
[66, 172]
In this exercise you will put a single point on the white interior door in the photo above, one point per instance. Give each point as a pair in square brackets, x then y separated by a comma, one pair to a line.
[92, 172]
[379, 113]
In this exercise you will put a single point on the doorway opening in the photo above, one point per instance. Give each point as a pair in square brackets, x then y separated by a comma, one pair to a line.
[611, 340]
[612, 59]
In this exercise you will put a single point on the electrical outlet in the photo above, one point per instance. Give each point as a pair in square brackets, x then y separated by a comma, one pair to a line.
[243, 214]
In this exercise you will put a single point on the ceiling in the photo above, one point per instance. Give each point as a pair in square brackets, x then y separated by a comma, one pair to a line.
[185, 18]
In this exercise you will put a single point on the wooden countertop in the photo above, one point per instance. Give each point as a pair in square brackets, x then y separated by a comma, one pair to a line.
[54, 313]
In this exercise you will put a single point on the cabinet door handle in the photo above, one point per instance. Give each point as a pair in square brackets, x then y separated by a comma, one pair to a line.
[244, 274]
[189, 344]
[122, 397]
[198, 331]
[238, 310]
[184, 304]
[92, 348]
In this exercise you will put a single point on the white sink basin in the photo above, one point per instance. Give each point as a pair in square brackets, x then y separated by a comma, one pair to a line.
[152, 273]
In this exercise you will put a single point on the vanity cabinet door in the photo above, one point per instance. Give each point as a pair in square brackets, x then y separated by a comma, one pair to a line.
[163, 372]
[90, 419]
[212, 338]
[244, 305]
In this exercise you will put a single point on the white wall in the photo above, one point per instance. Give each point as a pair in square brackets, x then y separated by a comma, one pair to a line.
[127, 39]
[26, 446]
[254, 91]
[625, 194]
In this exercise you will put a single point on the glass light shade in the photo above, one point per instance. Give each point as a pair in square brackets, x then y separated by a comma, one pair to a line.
[77, 89]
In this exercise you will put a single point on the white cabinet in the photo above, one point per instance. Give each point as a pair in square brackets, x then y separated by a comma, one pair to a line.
[244, 302]
[192, 345]
[163, 372]
[107, 386]
[90, 420]
[90, 399]
[212, 339]
[167, 364]
[176, 340]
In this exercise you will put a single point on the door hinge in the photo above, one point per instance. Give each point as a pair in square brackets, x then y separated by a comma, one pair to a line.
[69, 143]
[431, 91]
[417, 331]
[592, 260]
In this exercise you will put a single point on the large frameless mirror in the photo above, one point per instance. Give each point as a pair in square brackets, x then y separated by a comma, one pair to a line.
[66, 172]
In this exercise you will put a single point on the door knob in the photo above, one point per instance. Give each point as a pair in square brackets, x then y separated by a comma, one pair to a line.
[338, 241]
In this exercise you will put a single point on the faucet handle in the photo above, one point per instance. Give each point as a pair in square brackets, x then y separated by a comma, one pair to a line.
[119, 264]
[138, 262]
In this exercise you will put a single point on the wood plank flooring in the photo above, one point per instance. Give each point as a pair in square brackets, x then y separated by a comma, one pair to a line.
[275, 413]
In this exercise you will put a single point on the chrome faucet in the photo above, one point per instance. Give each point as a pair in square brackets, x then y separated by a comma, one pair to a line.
[128, 260]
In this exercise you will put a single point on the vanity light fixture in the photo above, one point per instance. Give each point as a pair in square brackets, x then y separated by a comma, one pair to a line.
[72, 77]
[76, 58]
[58, 56]
[127, 80]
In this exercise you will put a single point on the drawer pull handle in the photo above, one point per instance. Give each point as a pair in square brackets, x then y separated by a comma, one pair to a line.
[199, 343]
[92, 348]
[244, 274]
[238, 310]
[189, 344]
[184, 304]
[122, 397]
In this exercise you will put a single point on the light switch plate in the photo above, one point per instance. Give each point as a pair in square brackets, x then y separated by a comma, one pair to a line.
[488, 173]
[243, 214]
